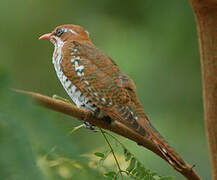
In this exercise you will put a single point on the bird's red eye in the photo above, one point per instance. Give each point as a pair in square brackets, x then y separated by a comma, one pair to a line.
[59, 32]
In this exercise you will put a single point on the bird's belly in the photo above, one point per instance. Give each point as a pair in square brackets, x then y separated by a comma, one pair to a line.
[74, 93]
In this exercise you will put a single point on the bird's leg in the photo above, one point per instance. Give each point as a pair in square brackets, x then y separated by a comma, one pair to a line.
[90, 126]
[100, 115]
[85, 124]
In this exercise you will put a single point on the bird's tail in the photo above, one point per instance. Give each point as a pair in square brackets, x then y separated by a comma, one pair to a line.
[169, 153]
[134, 117]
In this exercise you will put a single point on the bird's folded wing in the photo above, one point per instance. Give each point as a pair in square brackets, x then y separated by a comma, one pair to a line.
[100, 80]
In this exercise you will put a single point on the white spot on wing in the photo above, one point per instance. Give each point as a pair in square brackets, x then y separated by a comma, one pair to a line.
[86, 82]
[72, 60]
[80, 74]
[76, 64]
[79, 68]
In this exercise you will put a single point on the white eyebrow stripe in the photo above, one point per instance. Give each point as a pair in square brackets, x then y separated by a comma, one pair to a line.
[70, 30]
[73, 32]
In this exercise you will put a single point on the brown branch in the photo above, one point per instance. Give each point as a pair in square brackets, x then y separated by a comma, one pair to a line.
[206, 17]
[116, 127]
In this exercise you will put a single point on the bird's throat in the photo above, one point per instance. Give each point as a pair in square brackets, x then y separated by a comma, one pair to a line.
[57, 54]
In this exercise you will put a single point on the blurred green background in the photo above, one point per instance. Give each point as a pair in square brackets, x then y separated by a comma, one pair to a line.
[154, 42]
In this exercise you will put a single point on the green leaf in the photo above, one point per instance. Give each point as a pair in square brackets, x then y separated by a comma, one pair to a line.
[156, 177]
[132, 165]
[138, 164]
[134, 171]
[99, 154]
[127, 154]
[106, 153]
[110, 174]
[141, 172]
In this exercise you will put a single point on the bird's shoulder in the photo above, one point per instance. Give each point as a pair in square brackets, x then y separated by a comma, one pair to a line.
[97, 58]
[93, 72]
[100, 80]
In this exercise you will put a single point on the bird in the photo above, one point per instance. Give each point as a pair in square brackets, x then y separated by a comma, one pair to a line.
[96, 83]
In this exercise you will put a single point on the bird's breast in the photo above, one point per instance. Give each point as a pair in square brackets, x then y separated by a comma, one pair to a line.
[74, 93]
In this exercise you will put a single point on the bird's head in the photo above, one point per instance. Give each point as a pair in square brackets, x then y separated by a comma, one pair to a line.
[65, 33]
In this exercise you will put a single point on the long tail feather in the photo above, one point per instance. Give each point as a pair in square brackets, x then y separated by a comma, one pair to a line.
[170, 154]
[134, 117]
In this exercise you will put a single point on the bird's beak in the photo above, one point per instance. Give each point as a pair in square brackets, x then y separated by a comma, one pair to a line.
[46, 36]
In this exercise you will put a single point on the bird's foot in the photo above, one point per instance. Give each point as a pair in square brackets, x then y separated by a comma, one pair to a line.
[89, 126]
[60, 98]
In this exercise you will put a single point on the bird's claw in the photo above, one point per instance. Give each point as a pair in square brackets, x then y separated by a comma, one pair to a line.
[89, 126]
